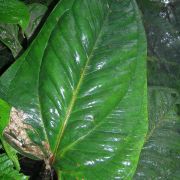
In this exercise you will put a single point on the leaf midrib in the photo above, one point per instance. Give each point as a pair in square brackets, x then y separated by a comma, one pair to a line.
[76, 91]
[65, 149]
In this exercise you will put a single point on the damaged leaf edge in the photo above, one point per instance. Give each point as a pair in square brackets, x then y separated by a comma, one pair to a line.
[16, 135]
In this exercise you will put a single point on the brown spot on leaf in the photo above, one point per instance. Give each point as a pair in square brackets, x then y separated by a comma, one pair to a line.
[16, 133]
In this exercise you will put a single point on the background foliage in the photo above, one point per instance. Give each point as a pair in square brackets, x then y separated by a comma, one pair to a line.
[160, 156]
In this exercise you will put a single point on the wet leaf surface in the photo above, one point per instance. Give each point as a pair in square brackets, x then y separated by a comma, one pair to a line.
[82, 83]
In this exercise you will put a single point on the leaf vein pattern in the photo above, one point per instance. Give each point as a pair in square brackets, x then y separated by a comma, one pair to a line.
[71, 105]
[98, 125]
[39, 98]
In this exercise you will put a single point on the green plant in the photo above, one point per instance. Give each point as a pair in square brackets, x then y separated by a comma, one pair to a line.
[18, 25]
[7, 170]
[76, 110]
[159, 156]
[77, 96]
[14, 12]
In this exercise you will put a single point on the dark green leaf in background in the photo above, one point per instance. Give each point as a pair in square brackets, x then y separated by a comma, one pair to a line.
[162, 23]
[9, 33]
[36, 11]
[160, 155]
[9, 36]
[44, 2]
[14, 12]
[82, 86]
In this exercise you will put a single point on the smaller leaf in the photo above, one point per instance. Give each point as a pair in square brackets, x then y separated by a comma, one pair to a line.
[37, 11]
[7, 171]
[14, 12]
[12, 154]
[4, 115]
[162, 28]
[160, 155]
[9, 36]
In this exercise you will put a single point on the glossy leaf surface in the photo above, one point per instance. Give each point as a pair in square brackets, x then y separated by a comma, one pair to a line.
[11, 153]
[14, 12]
[160, 156]
[7, 171]
[82, 86]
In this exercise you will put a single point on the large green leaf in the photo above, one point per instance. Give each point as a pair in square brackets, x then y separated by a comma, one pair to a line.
[160, 156]
[81, 88]
[14, 12]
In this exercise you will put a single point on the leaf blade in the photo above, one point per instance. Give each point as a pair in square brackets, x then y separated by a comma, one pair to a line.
[159, 155]
[37, 12]
[11, 153]
[85, 74]
[12, 78]
[7, 171]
